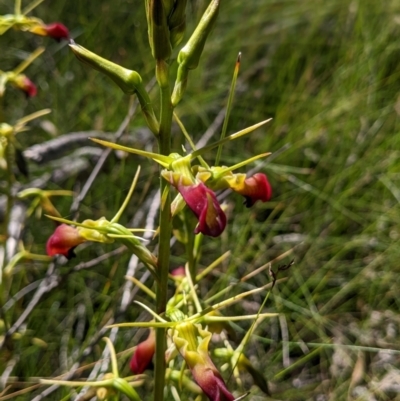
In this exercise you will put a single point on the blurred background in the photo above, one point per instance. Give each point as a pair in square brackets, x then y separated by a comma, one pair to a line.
[327, 72]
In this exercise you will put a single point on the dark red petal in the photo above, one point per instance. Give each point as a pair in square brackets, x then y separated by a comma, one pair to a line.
[212, 384]
[178, 272]
[204, 204]
[143, 354]
[29, 87]
[22, 82]
[57, 31]
[256, 188]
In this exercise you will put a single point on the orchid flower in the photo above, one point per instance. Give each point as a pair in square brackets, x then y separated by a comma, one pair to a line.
[197, 190]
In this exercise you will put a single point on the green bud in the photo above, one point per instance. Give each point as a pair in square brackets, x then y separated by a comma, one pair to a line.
[180, 84]
[159, 32]
[177, 22]
[175, 315]
[177, 34]
[128, 80]
[6, 129]
[168, 6]
[178, 14]
[191, 52]
[124, 387]
[189, 56]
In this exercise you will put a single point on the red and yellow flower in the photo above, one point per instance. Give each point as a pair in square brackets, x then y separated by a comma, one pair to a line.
[55, 30]
[191, 340]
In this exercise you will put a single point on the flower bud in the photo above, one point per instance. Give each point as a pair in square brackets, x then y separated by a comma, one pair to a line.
[189, 56]
[63, 241]
[177, 22]
[158, 30]
[22, 82]
[178, 273]
[6, 130]
[128, 80]
[180, 84]
[143, 354]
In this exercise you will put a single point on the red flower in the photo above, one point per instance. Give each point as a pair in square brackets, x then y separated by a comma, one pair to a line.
[22, 82]
[63, 241]
[192, 343]
[204, 204]
[143, 354]
[57, 31]
[178, 273]
[255, 188]
[211, 383]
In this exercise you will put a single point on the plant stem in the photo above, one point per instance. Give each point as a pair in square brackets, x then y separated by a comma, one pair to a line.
[190, 249]
[164, 143]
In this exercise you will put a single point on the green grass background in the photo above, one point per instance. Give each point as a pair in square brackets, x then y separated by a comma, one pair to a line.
[328, 73]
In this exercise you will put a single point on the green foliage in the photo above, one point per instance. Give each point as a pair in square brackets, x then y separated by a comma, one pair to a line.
[328, 73]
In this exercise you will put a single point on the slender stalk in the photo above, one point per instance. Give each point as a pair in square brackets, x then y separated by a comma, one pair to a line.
[10, 202]
[17, 7]
[229, 106]
[190, 249]
[164, 143]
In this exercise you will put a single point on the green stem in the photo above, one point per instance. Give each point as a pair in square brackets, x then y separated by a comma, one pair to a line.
[164, 142]
[10, 181]
[17, 7]
[190, 248]
[5, 281]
